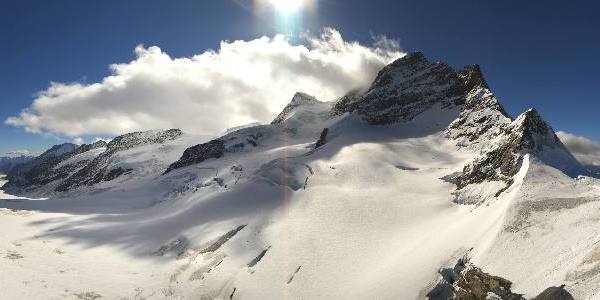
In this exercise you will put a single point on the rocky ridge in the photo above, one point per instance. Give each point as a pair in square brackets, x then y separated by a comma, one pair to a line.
[404, 89]
[100, 168]
[528, 134]
[40, 170]
[299, 99]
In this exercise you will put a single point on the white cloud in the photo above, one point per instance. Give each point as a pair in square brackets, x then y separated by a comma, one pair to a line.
[78, 141]
[21, 152]
[242, 82]
[584, 149]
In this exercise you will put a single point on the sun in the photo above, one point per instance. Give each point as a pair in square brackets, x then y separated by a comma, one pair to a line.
[287, 7]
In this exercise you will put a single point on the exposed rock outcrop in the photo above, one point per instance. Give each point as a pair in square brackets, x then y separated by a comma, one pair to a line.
[404, 89]
[482, 118]
[555, 293]
[241, 140]
[87, 147]
[465, 281]
[322, 138]
[41, 170]
[528, 134]
[472, 77]
[198, 154]
[136, 139]
[100, 168]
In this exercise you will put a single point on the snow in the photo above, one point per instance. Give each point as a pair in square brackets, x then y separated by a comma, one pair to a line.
[89, 155]
[550, 236]
[371, 214]
[359, 227]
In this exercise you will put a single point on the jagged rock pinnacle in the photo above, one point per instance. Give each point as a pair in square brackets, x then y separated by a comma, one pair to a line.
[472, 77]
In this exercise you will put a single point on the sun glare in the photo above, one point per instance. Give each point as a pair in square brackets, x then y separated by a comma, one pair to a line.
[287, 6]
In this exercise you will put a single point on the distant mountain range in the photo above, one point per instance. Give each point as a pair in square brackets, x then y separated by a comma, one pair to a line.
[8, 163]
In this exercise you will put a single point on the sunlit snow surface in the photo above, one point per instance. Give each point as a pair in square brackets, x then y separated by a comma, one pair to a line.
[368, 217]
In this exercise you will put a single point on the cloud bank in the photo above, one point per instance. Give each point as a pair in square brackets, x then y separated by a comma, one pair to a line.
[21, 152]
[242, 82]
[584, 149]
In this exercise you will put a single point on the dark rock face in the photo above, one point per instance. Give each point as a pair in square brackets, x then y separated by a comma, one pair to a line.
[465, 281]
[475, 284]
[555, 293]
[198, 154]
[87, 147]
[322, 138]
[7, 164]
[241, 140]
[404, 89]
[535, 133]
[41, 170]
[114, 173]
[134, 139]
[472, 77]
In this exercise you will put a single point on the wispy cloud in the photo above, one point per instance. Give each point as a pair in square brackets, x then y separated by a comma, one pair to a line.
[584, 149]
[242, 82]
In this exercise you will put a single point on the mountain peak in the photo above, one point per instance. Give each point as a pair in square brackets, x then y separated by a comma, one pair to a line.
[472, 77]
[299, 99]
[400, 69]
[302, 98]
[404, 89]
[58, 150]
[534, 132]
[528, 134]
[87, 147]
[411, 58]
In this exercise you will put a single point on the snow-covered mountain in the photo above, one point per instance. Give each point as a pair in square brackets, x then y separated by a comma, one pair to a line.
[40, 170]
[420, 186]
[9, 163]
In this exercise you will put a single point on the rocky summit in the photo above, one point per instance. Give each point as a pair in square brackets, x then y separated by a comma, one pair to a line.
[406, 88]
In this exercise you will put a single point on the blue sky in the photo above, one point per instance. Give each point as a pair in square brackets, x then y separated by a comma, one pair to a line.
[540, 54]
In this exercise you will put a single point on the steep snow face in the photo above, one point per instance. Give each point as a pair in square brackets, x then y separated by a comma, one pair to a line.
[550, 235]
[304, 115]
[302, 109]
[404, 89]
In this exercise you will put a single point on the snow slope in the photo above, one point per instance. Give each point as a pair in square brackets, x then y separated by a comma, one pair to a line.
[373, 213]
